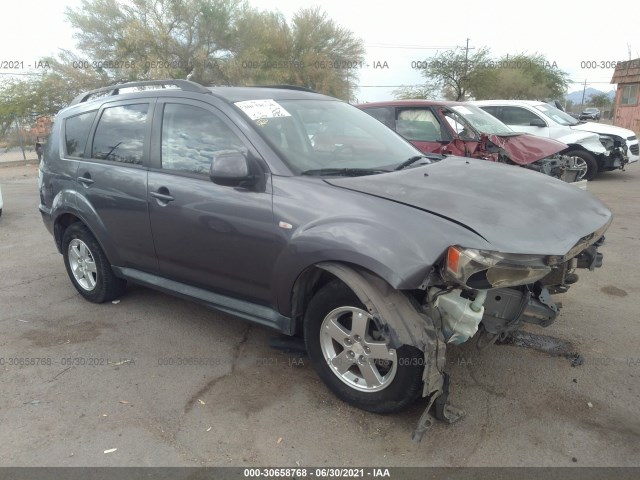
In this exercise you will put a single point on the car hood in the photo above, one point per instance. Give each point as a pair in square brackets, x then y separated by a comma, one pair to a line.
[524, 148]
[514, 209]
[574, 136]
[604, 129]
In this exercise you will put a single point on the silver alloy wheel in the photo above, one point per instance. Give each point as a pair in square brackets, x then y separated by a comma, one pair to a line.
[582, 165]
[83, 265]
[353, 353]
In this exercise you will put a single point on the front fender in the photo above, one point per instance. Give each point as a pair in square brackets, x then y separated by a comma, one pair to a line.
[396, 257]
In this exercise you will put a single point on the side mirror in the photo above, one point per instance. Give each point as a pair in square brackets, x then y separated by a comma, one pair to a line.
[231, 168]
[538, 122]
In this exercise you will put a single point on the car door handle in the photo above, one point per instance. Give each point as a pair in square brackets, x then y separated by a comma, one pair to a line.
[86, 181]
[162, 196]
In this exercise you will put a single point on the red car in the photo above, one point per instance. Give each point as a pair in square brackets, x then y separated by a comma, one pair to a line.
[456, 128]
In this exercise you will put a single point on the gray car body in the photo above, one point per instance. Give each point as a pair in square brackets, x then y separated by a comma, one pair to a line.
[241, 260]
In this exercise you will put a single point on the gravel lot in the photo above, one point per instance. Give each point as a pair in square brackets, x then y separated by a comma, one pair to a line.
[102, 381]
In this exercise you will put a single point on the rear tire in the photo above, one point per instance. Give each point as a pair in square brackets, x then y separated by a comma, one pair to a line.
[88, 267]
[350, 356]
[587, 159]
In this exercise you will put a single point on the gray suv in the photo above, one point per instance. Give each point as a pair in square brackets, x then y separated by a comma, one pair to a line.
[302, 213]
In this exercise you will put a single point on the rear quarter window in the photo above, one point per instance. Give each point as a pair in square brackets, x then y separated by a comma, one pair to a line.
[76, 132]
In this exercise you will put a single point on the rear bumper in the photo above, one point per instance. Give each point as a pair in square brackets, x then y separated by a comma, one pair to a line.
[46, 217]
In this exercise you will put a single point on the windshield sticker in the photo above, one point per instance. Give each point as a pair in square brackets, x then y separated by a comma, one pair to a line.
[462, 110]
[267, 108]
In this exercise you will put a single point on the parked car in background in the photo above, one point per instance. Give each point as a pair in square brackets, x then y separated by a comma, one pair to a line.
[457, 128]
[301, 213]
[596, 146]
[590, 114]
[574, 115]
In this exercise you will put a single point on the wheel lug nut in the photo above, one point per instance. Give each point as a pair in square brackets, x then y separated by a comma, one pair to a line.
[357, 338]
[361, 359]
[351, 354]
[347, 341]
[367, 350]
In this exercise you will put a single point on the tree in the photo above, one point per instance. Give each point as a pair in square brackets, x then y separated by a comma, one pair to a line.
[415, 92]
[155, 39]
[601, 100]
[220, 42]
[520, 77]
[313, 52]
[213, 42]
[460, 75]
[454, 71]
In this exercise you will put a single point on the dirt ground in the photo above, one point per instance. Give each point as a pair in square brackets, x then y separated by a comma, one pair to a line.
[80, 379]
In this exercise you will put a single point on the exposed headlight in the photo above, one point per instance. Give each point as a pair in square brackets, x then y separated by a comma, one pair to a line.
[481, 269]
[612, 141]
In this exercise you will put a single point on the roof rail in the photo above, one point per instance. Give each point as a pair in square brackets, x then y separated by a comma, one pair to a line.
[287, 87]
[185, 85]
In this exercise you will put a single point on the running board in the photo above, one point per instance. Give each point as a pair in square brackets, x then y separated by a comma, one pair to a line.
[253, 312]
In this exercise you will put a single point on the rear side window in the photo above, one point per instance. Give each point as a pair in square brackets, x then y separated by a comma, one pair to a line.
[76, 131]
[191, 136]
[385, 115]
[120, 134]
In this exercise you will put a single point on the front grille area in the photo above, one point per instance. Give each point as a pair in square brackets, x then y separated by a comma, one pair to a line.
[633, 137]
[634, 149]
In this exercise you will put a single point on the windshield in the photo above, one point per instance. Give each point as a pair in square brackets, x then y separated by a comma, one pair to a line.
[556, 115]
[327, 134]
[481, 120]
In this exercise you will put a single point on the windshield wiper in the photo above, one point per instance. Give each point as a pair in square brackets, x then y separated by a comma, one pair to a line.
[345, 172]
[411, 161]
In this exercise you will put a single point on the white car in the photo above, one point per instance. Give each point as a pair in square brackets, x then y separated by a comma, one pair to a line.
[594, 145]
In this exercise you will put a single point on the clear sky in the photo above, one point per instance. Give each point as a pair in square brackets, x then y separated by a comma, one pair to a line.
[568, 32]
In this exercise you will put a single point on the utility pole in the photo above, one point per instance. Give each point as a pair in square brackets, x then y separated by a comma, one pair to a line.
[584, 89]
[466, 63]
[15, 118]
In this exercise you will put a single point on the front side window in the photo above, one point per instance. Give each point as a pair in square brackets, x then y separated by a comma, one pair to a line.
[120, 134]
[192, 136]
[76, 131]
[419, 124]
[460, 125]
[629, 95]
[518, 116]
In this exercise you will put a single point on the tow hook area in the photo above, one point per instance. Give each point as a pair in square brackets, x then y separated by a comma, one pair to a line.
[459, 319]
[442, 409]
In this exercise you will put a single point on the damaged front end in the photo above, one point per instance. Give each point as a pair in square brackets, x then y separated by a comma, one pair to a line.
[496, 293]
[533, 153]
[617, 156]
[561, 167]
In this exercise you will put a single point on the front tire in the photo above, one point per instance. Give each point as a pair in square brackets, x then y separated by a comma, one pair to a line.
[88, 267]
[586, 160]
[350, 355]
